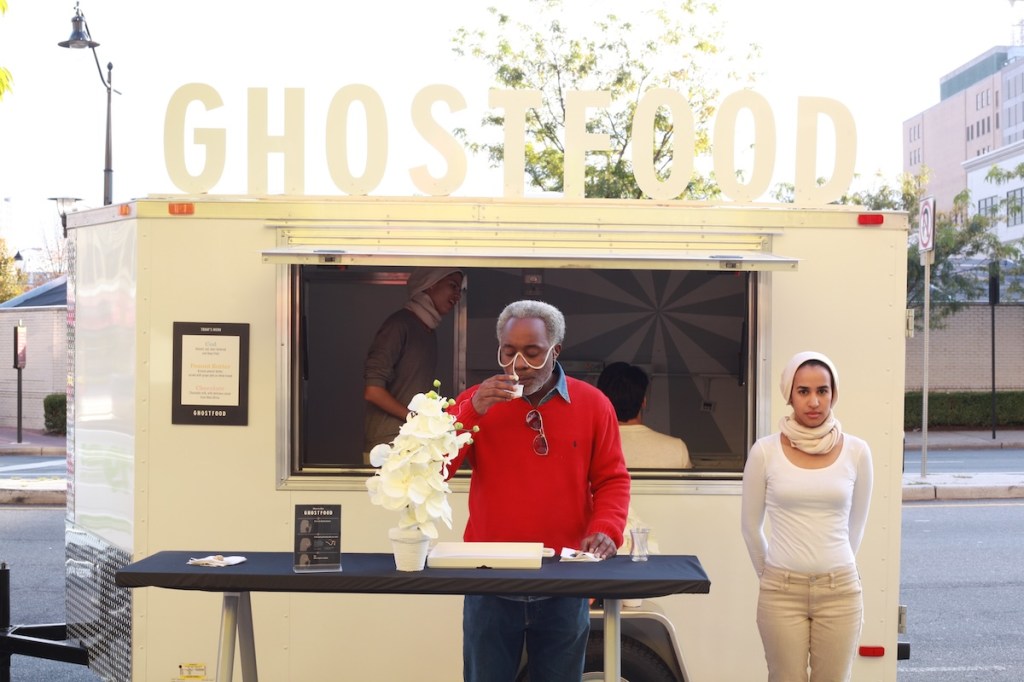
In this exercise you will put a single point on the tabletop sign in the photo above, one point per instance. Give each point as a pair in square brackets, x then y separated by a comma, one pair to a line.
[317, 537]
[210, 381]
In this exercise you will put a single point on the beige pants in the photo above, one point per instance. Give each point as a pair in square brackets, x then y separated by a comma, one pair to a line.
[810, 619]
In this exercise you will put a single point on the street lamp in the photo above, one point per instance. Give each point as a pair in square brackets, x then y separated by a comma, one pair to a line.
[79, 39]
[63, 204]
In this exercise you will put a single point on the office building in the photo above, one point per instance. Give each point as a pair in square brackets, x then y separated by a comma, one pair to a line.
[981, 109]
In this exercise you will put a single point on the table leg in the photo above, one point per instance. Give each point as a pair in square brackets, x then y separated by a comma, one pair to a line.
[236, 619]
[612, 640]
[228, 629]
[246, 639]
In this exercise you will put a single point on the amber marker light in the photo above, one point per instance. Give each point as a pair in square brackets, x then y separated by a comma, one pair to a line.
[181, 208]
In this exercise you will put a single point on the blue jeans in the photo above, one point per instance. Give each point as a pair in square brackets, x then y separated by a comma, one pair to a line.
[555, 632]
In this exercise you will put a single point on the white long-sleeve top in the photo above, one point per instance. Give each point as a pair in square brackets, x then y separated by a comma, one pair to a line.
[816, 516]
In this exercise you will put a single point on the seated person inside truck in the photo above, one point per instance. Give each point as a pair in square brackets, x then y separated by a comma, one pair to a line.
[644, 448]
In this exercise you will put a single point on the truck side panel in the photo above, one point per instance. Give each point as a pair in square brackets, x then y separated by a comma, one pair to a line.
[229, 489]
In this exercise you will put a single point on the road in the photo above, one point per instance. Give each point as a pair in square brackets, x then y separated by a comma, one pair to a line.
[966, 461]
[962, 624]
[963, 584]
[32, 466]
[33, 547]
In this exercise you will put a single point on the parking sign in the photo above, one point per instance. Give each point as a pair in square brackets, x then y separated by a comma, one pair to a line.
[926, 225]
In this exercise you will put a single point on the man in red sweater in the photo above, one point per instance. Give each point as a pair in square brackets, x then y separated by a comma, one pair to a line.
[547, 467]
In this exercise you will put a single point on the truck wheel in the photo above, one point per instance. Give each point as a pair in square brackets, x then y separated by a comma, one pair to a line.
[639, 663]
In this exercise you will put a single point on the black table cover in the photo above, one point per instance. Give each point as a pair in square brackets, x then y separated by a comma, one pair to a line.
[615, 578]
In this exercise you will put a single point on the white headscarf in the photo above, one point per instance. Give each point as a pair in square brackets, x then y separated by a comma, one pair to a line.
[419, 302]
[820, 439]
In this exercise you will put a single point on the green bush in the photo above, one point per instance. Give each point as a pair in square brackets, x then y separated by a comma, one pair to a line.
[964, 410]
[55, 413]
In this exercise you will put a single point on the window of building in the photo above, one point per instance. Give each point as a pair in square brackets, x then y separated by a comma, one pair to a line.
[1015, 207]
[987, 206]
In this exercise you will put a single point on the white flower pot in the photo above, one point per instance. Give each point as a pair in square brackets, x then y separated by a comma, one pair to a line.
[410, 546]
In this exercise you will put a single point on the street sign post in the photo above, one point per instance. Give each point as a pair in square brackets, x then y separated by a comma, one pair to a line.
[20, 355]
[926, 245]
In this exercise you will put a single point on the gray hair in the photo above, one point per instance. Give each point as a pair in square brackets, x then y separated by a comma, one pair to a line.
[554, 321]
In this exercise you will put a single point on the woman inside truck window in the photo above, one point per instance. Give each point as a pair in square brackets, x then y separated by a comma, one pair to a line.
[402, 358]
[813, 482]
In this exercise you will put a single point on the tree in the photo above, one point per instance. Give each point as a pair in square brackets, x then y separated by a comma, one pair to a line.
[965, 245]
[53, 261]
[5, 75]
[676, 48]
[12, 280]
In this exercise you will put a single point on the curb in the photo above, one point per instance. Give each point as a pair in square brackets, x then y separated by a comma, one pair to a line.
[29, 449]
[33, 496]
[982, 486]
[973, 445]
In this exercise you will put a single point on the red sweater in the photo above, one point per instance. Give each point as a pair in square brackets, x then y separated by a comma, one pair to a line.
[579, 488]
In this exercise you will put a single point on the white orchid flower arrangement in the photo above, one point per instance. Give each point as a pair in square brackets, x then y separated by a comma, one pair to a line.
[412, 470]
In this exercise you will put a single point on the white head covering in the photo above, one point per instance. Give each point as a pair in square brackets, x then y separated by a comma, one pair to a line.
[422, 279]
[419, 303]
[786, 385]
[820, 439]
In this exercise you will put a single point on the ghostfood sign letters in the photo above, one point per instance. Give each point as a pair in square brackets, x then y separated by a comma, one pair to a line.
[514, 105]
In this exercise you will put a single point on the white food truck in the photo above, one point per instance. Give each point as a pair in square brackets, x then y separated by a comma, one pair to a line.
[711, 299]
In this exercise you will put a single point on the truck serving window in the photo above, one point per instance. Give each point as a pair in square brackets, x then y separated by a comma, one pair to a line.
[689, 329]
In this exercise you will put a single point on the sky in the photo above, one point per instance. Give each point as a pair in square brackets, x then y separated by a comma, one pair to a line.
[882, 59]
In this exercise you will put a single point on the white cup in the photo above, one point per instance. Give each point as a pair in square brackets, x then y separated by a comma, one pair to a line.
[517, 391]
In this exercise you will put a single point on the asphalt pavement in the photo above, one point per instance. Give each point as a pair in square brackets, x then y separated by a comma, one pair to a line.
[959, 486]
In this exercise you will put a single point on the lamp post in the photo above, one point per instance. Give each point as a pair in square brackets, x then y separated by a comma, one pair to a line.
[63, 205]
[19, 265]
[80, 39]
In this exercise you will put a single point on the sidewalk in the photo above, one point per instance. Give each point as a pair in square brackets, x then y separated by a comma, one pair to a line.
[982, 486]
[46, 491]
[979, 486]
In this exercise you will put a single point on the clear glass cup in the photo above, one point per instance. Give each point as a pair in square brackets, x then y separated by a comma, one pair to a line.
[638, 550]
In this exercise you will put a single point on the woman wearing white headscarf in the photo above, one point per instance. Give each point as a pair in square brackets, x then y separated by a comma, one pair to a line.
[402, 360]
[813, 482]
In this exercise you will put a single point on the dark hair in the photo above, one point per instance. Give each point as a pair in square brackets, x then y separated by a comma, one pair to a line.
[814, 362]
[625, 385]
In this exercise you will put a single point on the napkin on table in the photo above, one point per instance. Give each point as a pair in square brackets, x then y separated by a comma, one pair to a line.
[216, 560]
[569, 554]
